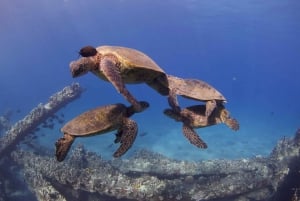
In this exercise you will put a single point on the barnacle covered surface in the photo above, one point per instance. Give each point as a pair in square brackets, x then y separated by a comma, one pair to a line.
[37, 115]
[151, 176]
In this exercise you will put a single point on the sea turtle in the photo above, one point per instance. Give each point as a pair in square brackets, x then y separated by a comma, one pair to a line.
[99, 121]
[194, 117]
[120, 65]
[193, 89]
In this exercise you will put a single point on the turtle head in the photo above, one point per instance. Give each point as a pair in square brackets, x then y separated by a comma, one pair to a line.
[173, 114]
[143, 104]
[82, 66]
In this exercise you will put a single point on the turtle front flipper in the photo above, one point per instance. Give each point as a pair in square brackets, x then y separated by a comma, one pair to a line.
[128, 135]
[193, 137]
[232, 123]
[63, 146]
[109, 67]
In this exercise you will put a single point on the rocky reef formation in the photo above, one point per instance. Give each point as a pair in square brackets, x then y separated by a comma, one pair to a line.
[150, 176]
[37, 116]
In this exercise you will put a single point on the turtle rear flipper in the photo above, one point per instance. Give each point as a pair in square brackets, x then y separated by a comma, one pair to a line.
[128, 135]
[192, 136]
[112, 73]
[63, 146]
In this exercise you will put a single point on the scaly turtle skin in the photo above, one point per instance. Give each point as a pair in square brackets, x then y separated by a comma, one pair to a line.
[194, 117]
[120, 65]
[196, 90]
[99, 121]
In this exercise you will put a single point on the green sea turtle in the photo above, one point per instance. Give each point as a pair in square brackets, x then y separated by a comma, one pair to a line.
[194, 117]
[193, 89]
[99, 121]
[120, 65]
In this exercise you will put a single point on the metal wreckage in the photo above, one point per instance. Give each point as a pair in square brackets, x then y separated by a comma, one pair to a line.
[36, 174]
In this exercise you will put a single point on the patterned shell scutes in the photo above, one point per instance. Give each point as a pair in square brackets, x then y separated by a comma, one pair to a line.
[194, 89]
[130, 58]
[96, 121]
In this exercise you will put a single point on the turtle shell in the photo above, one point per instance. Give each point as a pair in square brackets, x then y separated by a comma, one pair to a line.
[96, 121]
[194, 116]
[194, 89]
[135, 66]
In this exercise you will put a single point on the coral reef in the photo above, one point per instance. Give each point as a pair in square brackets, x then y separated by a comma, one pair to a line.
[37, 116]
[151, 176]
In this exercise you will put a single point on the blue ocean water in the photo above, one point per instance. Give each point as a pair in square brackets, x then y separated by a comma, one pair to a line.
[248, 50]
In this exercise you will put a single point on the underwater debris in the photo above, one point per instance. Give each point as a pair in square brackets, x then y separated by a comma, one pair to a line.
[37, 116]
[151, 176]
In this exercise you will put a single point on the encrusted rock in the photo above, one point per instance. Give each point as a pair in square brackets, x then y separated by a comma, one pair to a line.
[37, 116]
[151, 176]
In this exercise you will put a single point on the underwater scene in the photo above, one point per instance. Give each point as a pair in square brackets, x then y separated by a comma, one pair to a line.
[191, 100]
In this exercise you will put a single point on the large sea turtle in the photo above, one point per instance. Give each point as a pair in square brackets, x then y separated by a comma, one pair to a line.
[99, 121]
[120, 65]
[194, 117]
[193, 89]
